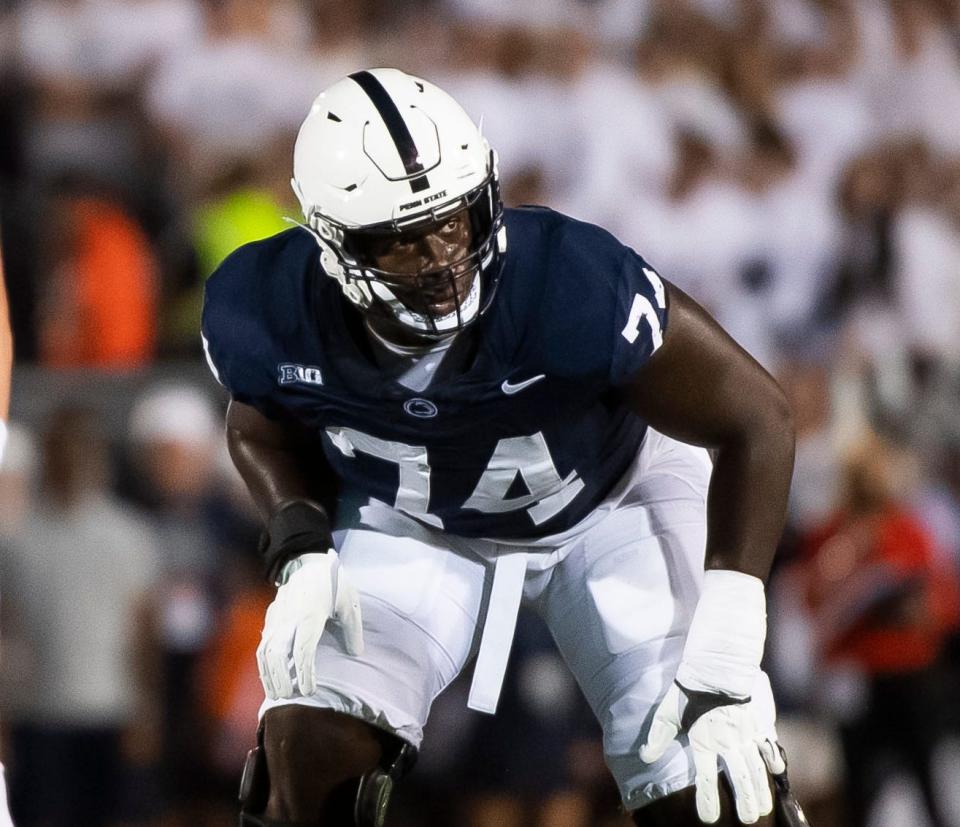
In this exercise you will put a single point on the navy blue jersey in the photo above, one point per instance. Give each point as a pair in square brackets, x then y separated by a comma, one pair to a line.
[522, 441]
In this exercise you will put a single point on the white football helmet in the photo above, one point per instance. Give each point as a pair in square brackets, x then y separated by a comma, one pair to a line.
[384, 156]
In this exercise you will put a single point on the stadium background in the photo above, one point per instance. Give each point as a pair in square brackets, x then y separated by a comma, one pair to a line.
[794, 164]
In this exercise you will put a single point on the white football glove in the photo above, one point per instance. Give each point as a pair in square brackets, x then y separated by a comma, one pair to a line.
[765, 719]
[711, 703]
[316, 591]
[732, 732]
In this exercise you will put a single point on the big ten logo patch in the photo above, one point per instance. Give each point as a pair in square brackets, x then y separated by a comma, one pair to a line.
[290, 374]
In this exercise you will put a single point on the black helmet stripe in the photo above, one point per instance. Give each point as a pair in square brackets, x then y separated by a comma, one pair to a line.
[395, 126]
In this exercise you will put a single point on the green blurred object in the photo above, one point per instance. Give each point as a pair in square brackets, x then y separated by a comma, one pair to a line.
[241, 216]
[220, 226]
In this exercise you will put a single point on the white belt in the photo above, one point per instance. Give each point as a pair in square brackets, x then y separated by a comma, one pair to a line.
[498, 628]
[509, 573]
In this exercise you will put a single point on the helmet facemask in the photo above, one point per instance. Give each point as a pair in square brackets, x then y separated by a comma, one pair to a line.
[435, 302]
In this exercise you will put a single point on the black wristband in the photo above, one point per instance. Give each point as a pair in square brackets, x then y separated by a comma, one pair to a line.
[297, 528]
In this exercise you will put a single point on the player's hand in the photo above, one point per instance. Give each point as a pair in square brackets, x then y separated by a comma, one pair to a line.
[720, 728]
[710, 699]
[316, 592]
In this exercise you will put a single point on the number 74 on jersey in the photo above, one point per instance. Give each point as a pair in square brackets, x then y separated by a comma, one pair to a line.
[527, 456]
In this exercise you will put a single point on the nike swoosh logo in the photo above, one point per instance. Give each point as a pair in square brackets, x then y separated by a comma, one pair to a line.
[508, 388]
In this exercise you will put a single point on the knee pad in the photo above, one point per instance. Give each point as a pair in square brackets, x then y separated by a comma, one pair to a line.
[373, 792]
[376, 786]
[254, 783]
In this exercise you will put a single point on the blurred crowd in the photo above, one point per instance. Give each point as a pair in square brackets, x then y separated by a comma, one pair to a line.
[793, 164]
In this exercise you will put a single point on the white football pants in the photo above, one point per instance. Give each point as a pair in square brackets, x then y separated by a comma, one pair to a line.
[617, 593]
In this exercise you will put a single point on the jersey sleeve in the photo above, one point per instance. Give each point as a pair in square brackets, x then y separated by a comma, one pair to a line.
[604, 313]
[234, 341]
[640, 317]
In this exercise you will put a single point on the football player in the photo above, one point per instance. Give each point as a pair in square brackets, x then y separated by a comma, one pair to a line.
[6, 359]
[6, 370]
[523, 405]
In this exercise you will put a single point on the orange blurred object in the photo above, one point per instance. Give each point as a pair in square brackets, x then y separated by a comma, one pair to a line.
[232, 658]
[876, 593]
[229, 683]
[100, 308]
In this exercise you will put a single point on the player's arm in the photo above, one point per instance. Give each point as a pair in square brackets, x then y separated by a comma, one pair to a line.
[268, 457]
[297, 545]
[6, 359]
[6, 371]
[6, 350]
[700, 387]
